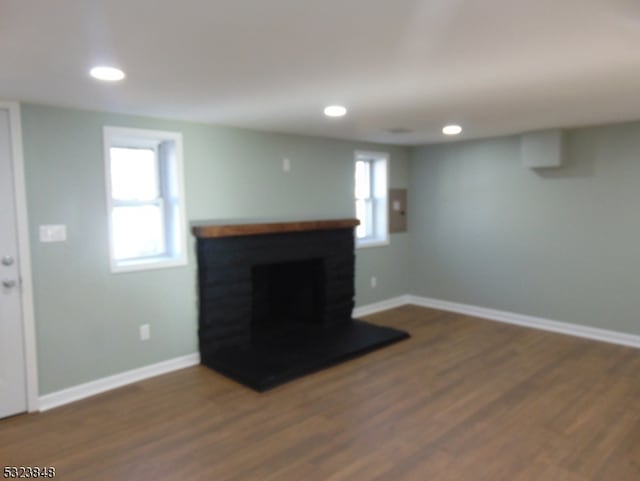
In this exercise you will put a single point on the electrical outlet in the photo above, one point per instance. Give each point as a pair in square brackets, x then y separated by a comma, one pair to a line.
[374, 282]
[286, 164]
[145, 332]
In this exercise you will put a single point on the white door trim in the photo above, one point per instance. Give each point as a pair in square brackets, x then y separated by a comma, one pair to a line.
[24, 254]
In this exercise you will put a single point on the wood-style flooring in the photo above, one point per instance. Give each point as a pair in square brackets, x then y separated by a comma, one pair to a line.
[464, 399]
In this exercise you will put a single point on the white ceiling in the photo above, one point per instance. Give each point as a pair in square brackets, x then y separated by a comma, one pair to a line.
[494, 66]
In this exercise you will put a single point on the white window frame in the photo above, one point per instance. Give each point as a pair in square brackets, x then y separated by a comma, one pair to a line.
[379, 231]
[171, 182]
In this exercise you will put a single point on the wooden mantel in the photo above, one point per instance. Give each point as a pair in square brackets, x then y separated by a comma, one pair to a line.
[245, 228]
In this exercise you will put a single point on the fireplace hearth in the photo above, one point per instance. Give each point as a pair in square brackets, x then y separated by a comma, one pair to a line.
[276, 300]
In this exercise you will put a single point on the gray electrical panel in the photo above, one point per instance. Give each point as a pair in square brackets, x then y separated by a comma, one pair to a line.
[397, 210]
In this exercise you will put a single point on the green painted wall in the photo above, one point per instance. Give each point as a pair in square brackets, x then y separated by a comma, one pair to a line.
[562, 244]
[87, 319]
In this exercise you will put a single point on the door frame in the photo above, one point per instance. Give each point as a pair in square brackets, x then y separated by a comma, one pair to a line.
[24, 254]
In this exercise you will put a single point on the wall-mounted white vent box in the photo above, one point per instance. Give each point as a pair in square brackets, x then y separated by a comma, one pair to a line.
[543, 149]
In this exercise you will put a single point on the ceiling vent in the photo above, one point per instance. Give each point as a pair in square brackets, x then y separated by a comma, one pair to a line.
[543, 149]
[399, 130]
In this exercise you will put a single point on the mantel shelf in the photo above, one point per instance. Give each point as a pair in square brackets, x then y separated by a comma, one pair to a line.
[231, 229]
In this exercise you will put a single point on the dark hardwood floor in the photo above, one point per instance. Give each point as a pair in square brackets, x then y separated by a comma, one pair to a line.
[463, 399]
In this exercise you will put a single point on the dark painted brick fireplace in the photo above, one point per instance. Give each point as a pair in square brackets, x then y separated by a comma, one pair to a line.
[275, 300]
[235, 274]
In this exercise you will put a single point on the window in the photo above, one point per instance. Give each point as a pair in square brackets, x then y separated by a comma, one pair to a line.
[145, 199]
[371, 198]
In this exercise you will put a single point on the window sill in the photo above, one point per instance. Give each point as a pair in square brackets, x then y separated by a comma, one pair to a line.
[147, 264]
[365, 243]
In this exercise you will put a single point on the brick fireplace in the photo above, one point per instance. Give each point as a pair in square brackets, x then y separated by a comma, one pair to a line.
[275, 299]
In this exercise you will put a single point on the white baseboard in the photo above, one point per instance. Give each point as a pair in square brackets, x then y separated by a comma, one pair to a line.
[81, 391]
[381, 306]
[98, 386]
[577, 330]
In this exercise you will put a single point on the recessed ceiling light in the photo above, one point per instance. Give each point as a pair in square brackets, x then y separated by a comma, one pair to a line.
[107, 74]
[451, 130]
[335, 111]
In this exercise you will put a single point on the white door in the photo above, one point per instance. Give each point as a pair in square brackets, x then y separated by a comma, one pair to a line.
[13, 387]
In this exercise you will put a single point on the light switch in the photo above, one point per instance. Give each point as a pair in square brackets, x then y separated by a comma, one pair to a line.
[53, 233]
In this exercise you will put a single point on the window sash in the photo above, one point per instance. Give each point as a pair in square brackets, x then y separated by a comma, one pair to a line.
[364, 179]
[364, 213]
[155, 184]
[365, 200]
[371, 198]
[161, 239]
[135, 203]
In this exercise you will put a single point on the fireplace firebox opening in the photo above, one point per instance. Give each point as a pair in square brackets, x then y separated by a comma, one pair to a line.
[287, 297]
